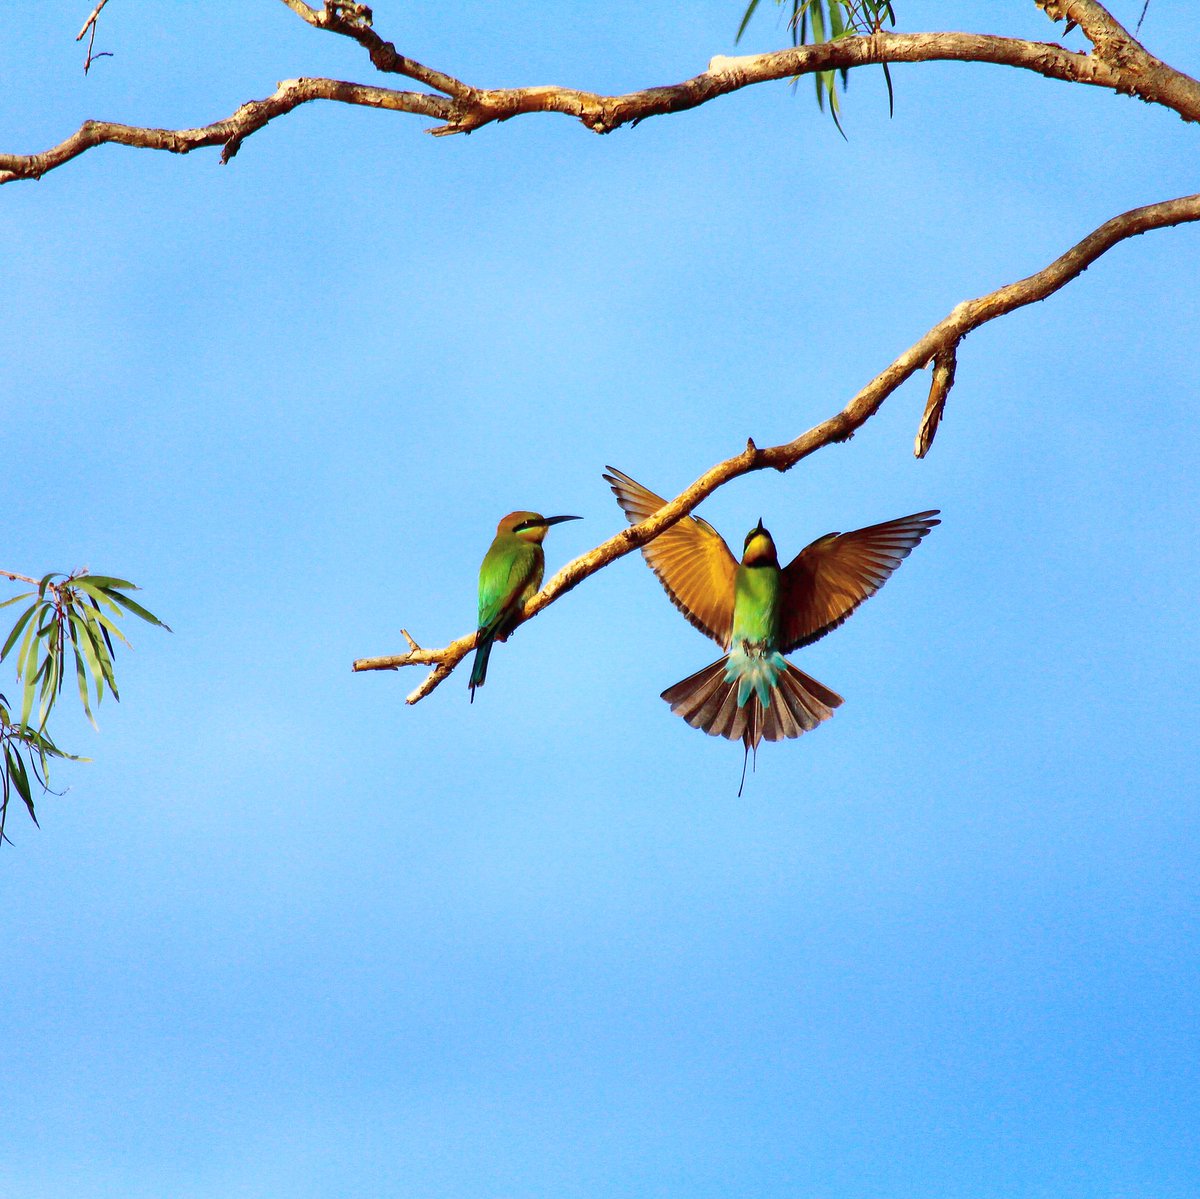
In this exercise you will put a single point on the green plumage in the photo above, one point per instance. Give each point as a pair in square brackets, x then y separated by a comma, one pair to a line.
[509, 576]
[511, 572]
[756, 594]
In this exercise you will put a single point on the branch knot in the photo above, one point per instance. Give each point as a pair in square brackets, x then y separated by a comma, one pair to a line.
[347, 12]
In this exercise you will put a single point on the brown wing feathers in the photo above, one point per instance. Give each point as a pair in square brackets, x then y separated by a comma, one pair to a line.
[825, 582]
[822, 586]
[690, 559]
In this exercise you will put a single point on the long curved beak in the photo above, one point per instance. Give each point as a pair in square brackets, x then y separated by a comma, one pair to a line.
[557, 520]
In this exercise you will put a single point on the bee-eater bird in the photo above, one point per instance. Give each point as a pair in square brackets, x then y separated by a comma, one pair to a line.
[511, 573]
[758, 612]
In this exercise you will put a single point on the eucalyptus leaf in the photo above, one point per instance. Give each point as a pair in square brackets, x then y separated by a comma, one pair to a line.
[95, 592]
[105, 582]
[100, 645]
[16, 629]
[81, 679]
[815, 21]
[20, 777]
[107, 624]
[85, 644]
[138, 610]
[746, 19]
[16, 599]
[25, 672]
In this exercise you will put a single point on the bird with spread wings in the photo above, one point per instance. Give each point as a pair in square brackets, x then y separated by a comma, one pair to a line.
[758, 611]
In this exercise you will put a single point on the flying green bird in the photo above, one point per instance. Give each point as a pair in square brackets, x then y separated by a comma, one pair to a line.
[759, 612]
[511, 573]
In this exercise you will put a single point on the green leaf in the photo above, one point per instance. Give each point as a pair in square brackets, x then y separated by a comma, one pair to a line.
[25, 671]
[81, 679]
[84, 641]
[13, 765]
[138, 610]
[103, 655]
[111, 628]
[16, 598]
[831, 20]
[16, 631]
[47, 618]
[55, 651]
[746, 19]
[24, 660]
[51, 673]
[47, 749]
[90, 613]
[834, 104]
[20, 778]
[95, 593]
[106, 582]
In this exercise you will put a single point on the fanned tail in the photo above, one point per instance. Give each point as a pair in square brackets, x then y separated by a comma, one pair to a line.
[483, 650]
[795, 703]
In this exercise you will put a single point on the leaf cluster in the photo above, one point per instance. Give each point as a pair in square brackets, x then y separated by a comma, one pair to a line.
[830, 21]
[67, 626]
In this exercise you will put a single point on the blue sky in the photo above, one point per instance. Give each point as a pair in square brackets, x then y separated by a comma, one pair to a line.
[285, 936]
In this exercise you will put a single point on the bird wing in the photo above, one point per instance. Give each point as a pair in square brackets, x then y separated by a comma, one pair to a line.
[690, 558]
[826, 581]
[505, 574]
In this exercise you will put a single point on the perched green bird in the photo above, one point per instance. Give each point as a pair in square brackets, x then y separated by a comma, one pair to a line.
[511, 573]
[759, 612]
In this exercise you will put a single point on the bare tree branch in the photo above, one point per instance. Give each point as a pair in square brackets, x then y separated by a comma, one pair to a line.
[1099, 26]
[939, 344]
[229, 134]
[354, 21]
[1141, 73]
[90, 23]
[1117, 62]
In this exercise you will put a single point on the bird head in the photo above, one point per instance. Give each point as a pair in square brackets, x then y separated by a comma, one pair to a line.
[759, 548]
[530, 526]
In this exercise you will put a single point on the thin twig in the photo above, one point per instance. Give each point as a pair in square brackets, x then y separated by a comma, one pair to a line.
[944, 366]
[354, 21]
[90, 23]
[93, 24]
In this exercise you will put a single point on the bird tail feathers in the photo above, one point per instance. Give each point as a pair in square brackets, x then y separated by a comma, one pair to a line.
[483, 650]
[795, 703]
